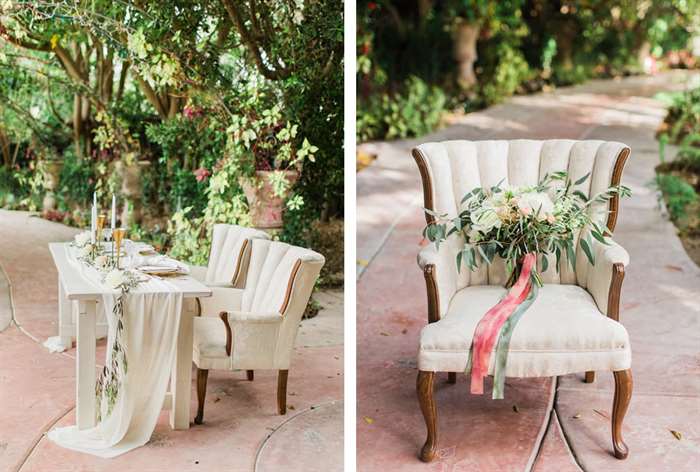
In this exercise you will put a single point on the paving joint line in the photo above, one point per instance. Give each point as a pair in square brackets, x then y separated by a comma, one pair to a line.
[37, 439]
[288, 420]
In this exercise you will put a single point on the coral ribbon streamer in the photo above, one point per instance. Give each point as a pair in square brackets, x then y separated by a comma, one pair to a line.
[499, 370]
[490, 325]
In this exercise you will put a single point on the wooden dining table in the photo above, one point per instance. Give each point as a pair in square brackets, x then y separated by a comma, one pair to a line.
[77, 293]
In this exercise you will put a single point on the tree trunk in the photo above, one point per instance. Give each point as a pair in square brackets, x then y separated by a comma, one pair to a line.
[465, 38]
[77, 125]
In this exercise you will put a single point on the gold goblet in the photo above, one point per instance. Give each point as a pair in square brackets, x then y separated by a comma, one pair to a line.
[101, 219]
[118, 235]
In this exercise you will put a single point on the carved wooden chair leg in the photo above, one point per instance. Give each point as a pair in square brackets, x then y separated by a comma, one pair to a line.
[424, 387]
[623, 394]
[590, 377]
[282, 391]
[250, 374]
[452, 377]
[202, 375]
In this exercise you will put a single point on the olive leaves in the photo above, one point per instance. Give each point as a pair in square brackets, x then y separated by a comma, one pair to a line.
[551, 218]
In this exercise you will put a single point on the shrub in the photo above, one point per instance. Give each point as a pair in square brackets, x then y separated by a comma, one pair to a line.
[511, 71]
[76, 182]
[416, 109]
[677, 193]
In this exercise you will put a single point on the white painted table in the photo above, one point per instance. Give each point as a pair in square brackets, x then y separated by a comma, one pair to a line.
[73, 287]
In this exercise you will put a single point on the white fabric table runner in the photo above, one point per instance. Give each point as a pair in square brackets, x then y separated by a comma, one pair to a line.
[151, 319]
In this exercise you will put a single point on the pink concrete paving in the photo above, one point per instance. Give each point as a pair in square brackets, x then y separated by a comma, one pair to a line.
[37, 388]
[660, 310]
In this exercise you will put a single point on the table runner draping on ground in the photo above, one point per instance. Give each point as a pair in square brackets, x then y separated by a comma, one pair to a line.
[151, 321]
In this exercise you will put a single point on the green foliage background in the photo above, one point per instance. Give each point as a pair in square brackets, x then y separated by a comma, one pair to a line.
[183, 85]
[521, 46]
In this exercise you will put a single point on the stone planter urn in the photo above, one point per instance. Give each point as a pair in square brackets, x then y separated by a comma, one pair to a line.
[266, 209]
[131, 189]
[52, 173]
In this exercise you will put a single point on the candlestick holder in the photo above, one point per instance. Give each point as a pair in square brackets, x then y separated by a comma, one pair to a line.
[117, 236]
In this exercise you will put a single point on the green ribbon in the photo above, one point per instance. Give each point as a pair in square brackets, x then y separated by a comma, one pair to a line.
[499, 373]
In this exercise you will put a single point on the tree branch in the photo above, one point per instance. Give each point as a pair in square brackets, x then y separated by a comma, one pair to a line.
[251, 42]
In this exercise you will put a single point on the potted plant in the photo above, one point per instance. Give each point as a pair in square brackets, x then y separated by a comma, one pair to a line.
[267, 147]
[50, 166]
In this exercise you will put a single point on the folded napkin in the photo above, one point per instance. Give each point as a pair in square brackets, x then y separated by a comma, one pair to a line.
[158, 263]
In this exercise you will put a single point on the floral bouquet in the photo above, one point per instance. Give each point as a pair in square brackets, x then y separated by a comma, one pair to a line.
[520, 225]
[511, 222]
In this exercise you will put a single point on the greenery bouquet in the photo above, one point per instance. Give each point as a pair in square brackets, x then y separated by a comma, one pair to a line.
[511, 222]
[521, 225]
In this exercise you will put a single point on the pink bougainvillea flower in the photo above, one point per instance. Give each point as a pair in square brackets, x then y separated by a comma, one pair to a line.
[201, 174]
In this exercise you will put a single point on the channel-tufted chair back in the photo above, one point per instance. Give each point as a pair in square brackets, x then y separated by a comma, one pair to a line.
[230, 251]
[280, 280]
[450, 169]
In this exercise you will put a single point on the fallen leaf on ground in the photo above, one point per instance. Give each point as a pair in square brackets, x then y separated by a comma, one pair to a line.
[515, 408]
[362, 262]
[674, 268]
[576, 416]
[404, 331]
[676, 434]
[368, 420]
[291, 407]
[384, 334]
[217, 399]
[603, 414]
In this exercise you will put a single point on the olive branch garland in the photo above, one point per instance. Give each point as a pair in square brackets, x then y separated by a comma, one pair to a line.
[109, 380]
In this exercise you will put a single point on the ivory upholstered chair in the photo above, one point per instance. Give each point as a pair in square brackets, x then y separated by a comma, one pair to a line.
[228, 256]
[257, 327]
[573, 324]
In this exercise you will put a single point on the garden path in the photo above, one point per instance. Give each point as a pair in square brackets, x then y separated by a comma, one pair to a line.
[241, 431]
[660, 308]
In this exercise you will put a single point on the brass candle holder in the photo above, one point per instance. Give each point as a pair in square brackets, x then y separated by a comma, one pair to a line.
[117, 236]
[101, 219]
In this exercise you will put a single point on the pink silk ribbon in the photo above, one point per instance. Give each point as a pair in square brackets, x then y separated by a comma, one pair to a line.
[489, 326]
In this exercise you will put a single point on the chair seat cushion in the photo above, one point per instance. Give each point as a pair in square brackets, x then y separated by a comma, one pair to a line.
[562, 332]
[210, 343]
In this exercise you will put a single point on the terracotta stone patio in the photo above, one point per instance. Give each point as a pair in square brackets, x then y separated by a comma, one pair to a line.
[543, 424]
[242, 431]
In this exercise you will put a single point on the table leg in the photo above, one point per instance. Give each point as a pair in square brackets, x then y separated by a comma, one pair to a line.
[181, 376]
[66, 327]
[85, 365]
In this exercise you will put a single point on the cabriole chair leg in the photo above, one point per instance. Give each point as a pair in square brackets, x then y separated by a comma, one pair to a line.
[250, 374]
[424, 388]
[623, 395]
[282, 391]
[452, 377]
[202, 375]
[590, 376]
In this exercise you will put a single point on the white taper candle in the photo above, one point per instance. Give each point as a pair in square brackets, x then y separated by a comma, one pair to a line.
[114, 212]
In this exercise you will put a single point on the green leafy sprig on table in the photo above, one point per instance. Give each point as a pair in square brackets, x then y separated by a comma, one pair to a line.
[510, 222]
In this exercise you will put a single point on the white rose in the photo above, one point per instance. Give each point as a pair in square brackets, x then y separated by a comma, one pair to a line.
[485, 219]
[84, 251]
[115, 278]
[81, 239]
[101, 262]
[531, 202]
